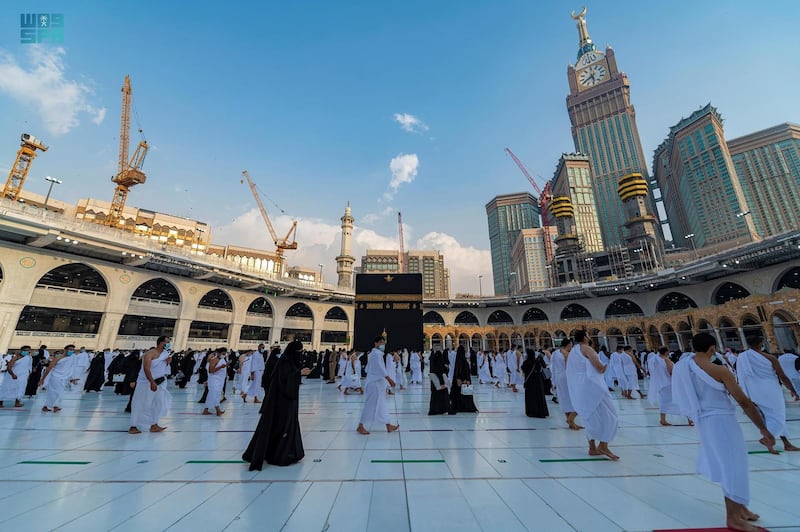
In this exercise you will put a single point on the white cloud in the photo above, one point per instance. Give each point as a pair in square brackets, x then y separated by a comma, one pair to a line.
[319, 243]
[41, 85]
[410, 123]
[404, 169]
[372, 217]
[464, 262]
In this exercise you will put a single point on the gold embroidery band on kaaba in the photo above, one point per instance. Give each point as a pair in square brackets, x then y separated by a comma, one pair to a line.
[389, 298]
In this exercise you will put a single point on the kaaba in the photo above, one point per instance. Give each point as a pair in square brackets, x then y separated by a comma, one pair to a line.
[389, 305]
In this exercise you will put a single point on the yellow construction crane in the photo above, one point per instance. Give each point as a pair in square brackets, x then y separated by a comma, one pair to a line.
[129, 173]
[25, 155]
[280, 244]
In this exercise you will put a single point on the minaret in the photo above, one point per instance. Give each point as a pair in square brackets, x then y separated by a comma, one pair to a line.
[345, 260]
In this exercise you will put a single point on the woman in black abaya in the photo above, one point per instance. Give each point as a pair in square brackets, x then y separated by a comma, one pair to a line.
[277, 439]
[440, 399]
[97, 373]
[535, 401]
[461, 376]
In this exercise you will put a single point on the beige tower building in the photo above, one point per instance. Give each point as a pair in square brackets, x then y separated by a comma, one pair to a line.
[345, 260]
[435, 277]
[529, 260]
[573, 180]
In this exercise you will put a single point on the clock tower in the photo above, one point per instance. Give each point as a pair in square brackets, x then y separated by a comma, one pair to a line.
[604, 128]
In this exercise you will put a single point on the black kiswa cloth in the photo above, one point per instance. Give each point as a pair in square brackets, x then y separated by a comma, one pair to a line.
[390, 304]
[277, 439]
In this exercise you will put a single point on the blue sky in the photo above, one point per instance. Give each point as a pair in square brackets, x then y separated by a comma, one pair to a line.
[303, 95]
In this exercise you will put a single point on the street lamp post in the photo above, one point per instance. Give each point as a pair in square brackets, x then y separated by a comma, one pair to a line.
[511, 276]
[690, 238]
[320, 272]
[480, 286]
[590, 260]
[53, 181]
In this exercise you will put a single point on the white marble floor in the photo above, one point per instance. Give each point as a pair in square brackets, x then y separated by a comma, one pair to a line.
[497, 470]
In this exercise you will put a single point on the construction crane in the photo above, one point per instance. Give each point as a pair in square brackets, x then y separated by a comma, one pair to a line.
[22, 165]
[280, 244]
[129, 173]
[544, 198]
[402, 258]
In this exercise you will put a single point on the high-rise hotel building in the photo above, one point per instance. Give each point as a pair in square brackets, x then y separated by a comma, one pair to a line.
[768, 165]
[604, 128]
[703, 196]
[507, 215]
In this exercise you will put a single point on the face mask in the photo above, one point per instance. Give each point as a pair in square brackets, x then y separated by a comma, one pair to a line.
[70, 353]
[168, 346]
[24, 353]
[382, 347]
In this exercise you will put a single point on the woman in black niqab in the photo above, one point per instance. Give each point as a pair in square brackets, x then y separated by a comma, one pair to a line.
[461, 376]
[535, 401]
[97, 371]
[277, 439]
[440, 399]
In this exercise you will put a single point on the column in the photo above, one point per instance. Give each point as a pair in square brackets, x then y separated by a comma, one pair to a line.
[742, 337]
[234, 331]
[9, 316]
[180, 336]
[663, 340]
[316, 338]
[718, 336]
[109, 327]
[680, 342]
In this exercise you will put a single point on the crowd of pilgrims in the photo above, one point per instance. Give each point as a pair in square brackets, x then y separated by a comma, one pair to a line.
[578, 378]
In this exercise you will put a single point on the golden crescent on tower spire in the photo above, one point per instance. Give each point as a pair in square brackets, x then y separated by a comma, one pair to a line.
[579, 15]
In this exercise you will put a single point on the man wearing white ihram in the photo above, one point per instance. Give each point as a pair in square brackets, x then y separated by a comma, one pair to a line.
[702, 390]
[17, 371]
[256, 373]
[216, 366]
[56, 378]
[590, 397]
[375, 409]
[151, 400]
[760, 376]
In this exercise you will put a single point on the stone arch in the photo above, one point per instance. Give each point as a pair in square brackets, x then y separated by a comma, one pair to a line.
[217, 299]
[684, 332]
[437, 342]
[432, 318]
[500, 317]
[752, 325]
[158, 289]
[574, 311]
[534, 314]
[623, 307]
[728, 291]
[675, 301]
[594, 334]
[614, 338]
[516, 340]
[670, 337]
[75, 276]
[336, 314]
[635, 337]
[503, 342]
[788, 279]
[491, 342]
[545, 340]
[653, 337]
[476, 341]
[729, 333]
[529, 340]
[260, 306]
[705, 325]
[299, 310]
[463, 339]
[466, 318]
[787, 330]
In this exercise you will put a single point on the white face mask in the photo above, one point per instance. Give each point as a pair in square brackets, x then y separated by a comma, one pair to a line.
[382, 347]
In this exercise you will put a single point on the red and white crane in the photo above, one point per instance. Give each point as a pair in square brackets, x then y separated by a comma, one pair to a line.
[544, 198]
[402, 258]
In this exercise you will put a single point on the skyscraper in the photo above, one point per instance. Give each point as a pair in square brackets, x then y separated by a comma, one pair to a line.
[573, 180]
[529, 260]
[604, 128]
[507, 215]
[768, 165]
[702, 193]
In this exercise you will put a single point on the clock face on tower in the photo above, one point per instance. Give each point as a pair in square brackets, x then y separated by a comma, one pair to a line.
[592, 75]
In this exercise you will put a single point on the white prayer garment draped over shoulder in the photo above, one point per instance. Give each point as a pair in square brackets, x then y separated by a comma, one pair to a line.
[619, 370]
[558, 366]
[723, 456]
[661, 386]
[760, 383]
[416, 367]
[375, 409]
[352, 374]
[590, 397]
[14, 389]
[484, 375]
[500, 372]
[788, 362]
[147, 407]
[57, 381]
